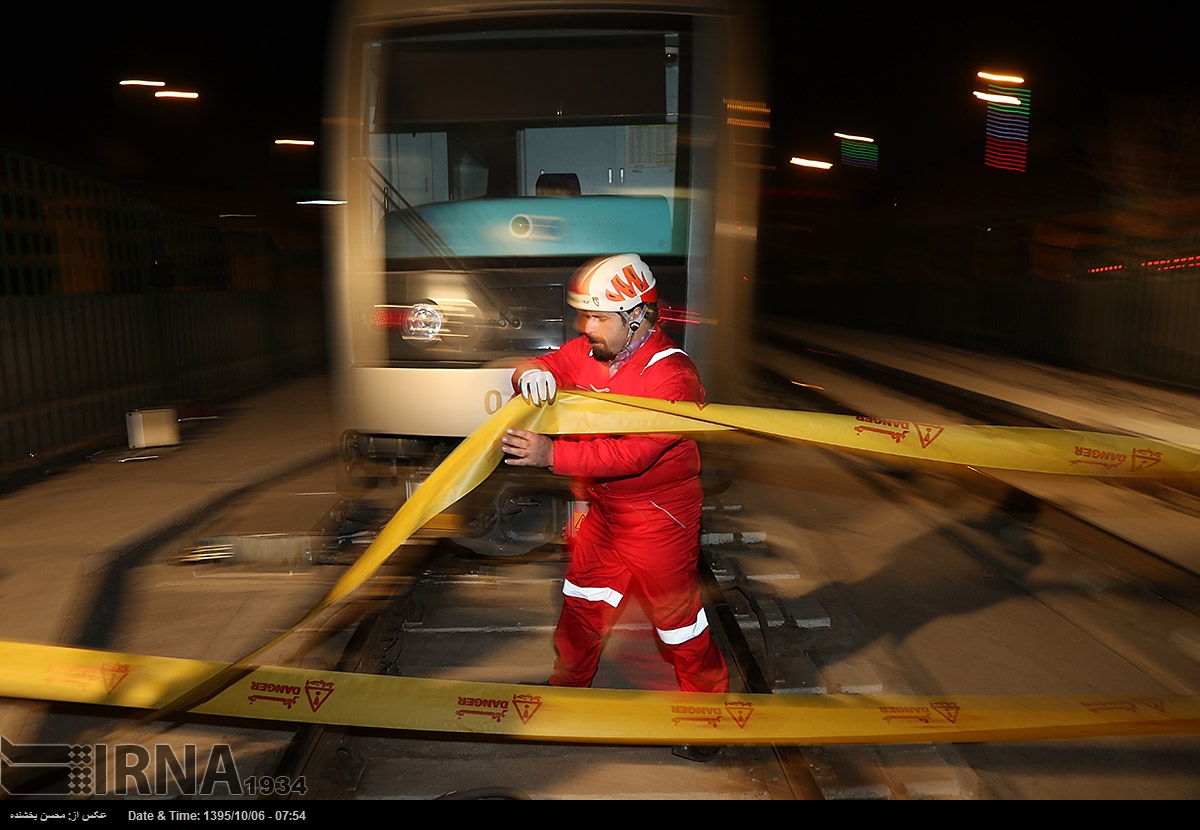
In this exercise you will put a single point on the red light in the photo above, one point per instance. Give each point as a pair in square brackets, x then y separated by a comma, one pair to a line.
[389, 318]
[670, 315]
[1172, 264]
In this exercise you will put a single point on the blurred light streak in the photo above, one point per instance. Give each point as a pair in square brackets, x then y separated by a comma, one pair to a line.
[303, 142]
[859, 151]
[1005, 154]
[801, 162]
[169, 93]
[134, 82]
[1008, 100]
[748, 122]
[1007, 133]
[322, 202]
[758, 107]
[682, 316]
[747, 106]
[1172, 264]
[854, 155]
[1003, 79]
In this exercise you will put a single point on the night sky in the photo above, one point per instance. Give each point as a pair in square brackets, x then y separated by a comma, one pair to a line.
[902, 73]
[258, 73]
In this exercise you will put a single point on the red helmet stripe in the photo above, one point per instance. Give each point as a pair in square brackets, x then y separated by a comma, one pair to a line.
[630, 287]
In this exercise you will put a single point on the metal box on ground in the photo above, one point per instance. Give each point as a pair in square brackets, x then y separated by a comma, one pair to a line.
[152, 428]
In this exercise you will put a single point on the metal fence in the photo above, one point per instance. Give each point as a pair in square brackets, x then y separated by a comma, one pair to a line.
[108, 304]
[1131, 308]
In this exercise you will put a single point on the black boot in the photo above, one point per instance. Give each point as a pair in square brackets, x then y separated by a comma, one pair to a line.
[692, 752]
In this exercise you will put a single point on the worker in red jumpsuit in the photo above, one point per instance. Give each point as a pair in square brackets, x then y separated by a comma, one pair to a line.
[642, 525]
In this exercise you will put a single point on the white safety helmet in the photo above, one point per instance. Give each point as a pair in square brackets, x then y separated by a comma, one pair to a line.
[614, 283]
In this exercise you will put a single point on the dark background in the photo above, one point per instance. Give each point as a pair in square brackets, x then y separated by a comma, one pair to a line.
[902, 73]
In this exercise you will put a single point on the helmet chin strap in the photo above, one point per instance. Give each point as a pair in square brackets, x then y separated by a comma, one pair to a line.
[633, 326]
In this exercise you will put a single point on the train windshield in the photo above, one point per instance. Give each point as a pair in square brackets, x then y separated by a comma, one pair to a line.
[482, 152]
[531, 143]
[490, 164]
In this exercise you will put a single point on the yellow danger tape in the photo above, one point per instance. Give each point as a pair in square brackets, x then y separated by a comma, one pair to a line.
[1030, 449]
[582, 715]
[1040, 450]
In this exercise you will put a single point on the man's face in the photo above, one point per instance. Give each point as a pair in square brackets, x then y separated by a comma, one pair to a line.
[605, 329]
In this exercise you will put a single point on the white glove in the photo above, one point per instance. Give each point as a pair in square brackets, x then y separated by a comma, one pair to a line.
[537, 386]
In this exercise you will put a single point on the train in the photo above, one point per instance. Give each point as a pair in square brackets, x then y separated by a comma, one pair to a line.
[481, 151]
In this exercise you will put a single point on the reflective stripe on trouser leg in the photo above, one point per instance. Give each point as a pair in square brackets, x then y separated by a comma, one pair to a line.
[606, 595]
[677, 636]
[699, 664]
[579, 637]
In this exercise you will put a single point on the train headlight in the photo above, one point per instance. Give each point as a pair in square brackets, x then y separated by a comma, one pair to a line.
[422, 323]
[520, 226]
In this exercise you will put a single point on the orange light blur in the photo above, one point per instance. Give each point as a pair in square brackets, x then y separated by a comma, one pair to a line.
[998, 99]
[135, 82]
[170, 93]
[303, 142]
[1000, 79]
[747, 106]
[748, 122]
[820, 165]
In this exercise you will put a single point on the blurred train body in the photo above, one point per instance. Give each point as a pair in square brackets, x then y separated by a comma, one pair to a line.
[484, 151]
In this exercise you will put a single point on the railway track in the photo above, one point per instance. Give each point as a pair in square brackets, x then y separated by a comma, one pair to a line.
[1043, 523]
[824, 572]
[780, 642]
[491, 619]
[471, 617]
[785, 643]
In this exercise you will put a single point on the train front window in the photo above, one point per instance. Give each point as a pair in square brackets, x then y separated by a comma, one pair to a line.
[548, 143]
